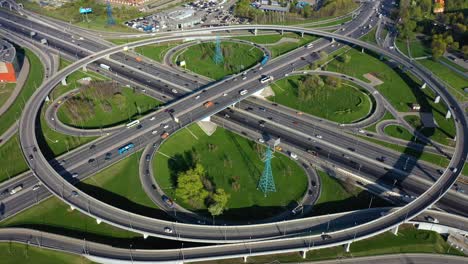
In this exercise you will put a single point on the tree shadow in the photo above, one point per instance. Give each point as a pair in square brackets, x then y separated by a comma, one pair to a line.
[180, 163]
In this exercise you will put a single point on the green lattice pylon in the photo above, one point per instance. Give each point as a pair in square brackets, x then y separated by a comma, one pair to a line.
[218, 57]
[267, 183]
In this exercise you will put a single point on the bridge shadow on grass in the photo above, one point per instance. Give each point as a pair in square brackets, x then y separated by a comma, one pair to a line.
[245, 215]
[404, 166]
[121, 201]
[137, 241]
[357, 202]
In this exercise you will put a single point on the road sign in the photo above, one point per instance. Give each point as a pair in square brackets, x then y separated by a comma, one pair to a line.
[85, 10]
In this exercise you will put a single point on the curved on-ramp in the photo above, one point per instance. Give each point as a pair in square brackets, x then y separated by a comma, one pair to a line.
[140, 224]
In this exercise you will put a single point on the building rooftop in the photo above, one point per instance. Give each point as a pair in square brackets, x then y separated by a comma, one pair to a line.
[7, 51]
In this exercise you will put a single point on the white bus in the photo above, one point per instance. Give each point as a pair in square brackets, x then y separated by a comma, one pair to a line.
[266, 79]
[133, 123]
[104, 66]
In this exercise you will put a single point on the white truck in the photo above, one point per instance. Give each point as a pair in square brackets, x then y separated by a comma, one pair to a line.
[16, 189]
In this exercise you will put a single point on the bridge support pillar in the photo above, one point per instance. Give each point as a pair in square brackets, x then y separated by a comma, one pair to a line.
[448, 115]
[255, 32]
[282, 32]
[84, 68]
[107, 57]
[245, 259]
[304, 254]
[145, 236]
[362, 51]
[437, 99]
[64, 81]
[72, 208]
[302, 34]
[333, 40]
[423, 86]
[347, 247]
[98, 221]
[395, 230]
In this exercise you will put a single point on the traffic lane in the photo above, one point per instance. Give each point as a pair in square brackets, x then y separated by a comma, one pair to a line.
[448, 175]
[352, 144]
[316, 133]
[410, 185]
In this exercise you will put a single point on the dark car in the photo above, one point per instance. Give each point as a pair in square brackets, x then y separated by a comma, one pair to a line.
[108, 156]
[91, 160]
[139, 126]
[313, 183]
[148, 157]
[92, 146]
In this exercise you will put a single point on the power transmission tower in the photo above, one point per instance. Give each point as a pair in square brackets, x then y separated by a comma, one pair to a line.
[218, 58]
[267, 183]
[110, 18]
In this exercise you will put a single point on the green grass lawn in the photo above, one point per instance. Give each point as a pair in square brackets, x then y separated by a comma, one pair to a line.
[14, 253]
[6, 89]
[345, 104]
[453, 64]
[34, 80]
[456, 81]
[370, 36]
[443, 133]
[237, 57]
[397, 87]
[398, 132]
[97, 20]
[409, 240]
[73, 78]
[12, 162]
[156, 51]
[118, 185]
[277, 50]
[121, 107]
[386, 116]
[53, 144]
[337, 196]
[231, 156]
[402, 46]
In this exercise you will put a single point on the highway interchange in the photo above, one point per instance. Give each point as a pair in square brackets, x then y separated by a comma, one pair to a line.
[188, 113]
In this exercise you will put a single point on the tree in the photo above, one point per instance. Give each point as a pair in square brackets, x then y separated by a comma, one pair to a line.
[220, 200]
[465, 50]
[307, 11]
[333, 81]
[190, 186]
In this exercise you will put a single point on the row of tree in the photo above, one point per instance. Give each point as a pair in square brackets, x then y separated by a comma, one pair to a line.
[192, 188]
[448, 30]
[310, 85]
[328, 8]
